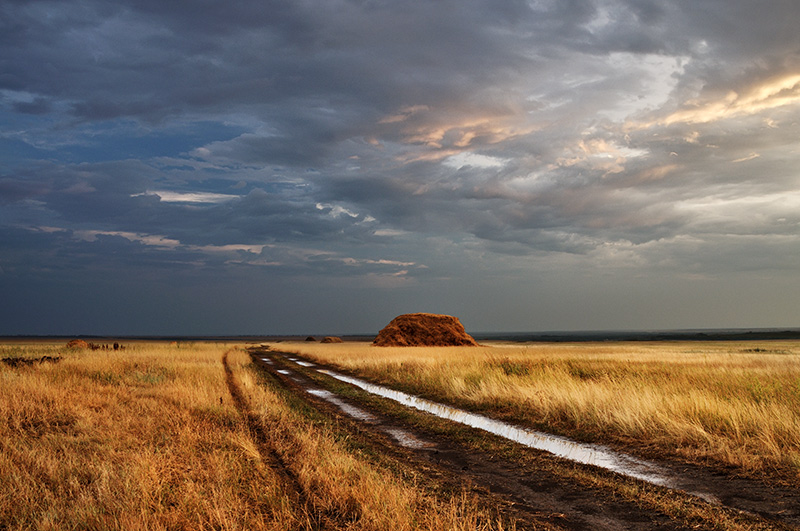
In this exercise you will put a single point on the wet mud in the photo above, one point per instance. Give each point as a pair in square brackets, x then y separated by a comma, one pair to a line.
[590, 454]
[533, 490]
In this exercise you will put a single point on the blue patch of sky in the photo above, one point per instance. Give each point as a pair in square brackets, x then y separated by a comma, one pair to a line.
[126, 140]
[231, 187]
[40, 137]
[21, 140]
[221, 186]
[15, 153]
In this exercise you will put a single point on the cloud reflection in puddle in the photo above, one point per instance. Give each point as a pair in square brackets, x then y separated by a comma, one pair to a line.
[353, 411]
[590, 454]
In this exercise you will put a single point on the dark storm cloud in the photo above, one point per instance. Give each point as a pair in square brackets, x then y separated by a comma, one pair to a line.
[37, 106]
[399, 142]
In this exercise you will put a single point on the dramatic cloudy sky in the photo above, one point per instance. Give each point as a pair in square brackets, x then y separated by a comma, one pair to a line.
[320, 166]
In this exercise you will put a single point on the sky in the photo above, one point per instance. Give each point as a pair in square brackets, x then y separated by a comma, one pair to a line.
[322, 166]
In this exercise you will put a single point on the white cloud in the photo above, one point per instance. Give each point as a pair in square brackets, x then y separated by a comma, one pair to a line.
[751, 156]
[152, 240]
[188, 197]
[335, 211]
[476, 160]
[389, 232]
[656, 76]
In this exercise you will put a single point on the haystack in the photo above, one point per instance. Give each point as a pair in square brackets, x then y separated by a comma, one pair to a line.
[424, 330]
[77, 343]
[332, 339]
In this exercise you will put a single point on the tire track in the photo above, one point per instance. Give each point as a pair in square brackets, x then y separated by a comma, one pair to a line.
[537, 486]
[448, 463]
[309, 517]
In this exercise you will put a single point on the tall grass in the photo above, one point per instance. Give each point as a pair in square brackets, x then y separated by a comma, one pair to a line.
[150, 438]
[726, 403]
[145, 438]
[343, 485]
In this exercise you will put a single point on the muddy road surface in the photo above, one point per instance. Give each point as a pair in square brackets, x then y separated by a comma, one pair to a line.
[534, 488]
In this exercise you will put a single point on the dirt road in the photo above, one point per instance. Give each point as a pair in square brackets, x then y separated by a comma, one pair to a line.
[537, 489]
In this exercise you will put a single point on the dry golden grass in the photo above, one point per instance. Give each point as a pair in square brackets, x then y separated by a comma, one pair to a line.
[150, 438]
[732, 403]
[340, 483]
[135, 439]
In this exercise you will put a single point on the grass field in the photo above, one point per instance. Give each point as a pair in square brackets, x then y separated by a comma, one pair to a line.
[719, 403]
[160, 436]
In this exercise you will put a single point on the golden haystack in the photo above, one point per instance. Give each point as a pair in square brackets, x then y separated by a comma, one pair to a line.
[424, 329]
[77, 343]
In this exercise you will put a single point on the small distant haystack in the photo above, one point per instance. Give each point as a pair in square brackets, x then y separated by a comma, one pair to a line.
[311, 338]
[424, 330]
[332, 339]
[77, 343]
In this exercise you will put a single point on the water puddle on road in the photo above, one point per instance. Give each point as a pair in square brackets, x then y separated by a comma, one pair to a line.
[353, 411]
[590, 454]
[402, 437]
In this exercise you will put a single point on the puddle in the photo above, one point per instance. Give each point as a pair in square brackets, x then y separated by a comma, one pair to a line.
[590, 454]
[404, 438]
[401, 436]
[356, 413]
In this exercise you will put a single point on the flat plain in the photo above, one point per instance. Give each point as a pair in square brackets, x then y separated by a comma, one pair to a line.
[182, 436]
[212, 435]
[726, 404]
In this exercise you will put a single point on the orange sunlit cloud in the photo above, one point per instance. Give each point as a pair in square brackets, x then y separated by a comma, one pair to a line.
[598, 154]
[771, 94]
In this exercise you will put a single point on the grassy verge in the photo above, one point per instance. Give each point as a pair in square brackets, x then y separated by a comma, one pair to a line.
[731, 404]
[343, 484]
[145, 438]
[150, 438]
[686, 510]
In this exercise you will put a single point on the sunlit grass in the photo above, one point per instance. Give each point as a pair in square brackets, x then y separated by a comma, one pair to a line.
[731, 403]
[341, 483]
[134, 439]
[150, 438]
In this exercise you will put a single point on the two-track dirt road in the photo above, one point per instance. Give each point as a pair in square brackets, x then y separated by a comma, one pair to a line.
[537, 489]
